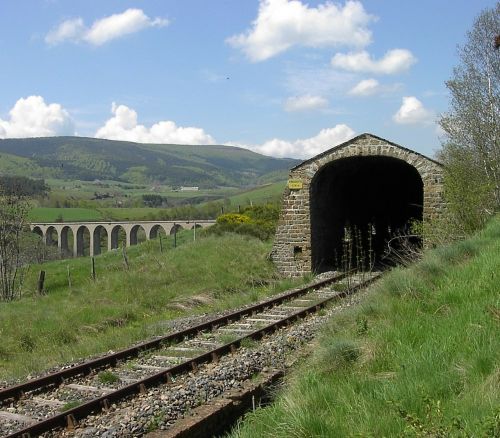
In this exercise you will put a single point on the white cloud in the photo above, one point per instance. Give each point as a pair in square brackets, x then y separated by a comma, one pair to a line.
[103, 30]
[282, 24]
[303, 148]
[32, 117]
[305, 103]
[69, 30]
[366, 87]
[370, 87]
[123, 126]
[412, 111]
[394, 61]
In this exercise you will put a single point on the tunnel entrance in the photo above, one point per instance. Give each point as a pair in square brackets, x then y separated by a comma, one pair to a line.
[357, 205]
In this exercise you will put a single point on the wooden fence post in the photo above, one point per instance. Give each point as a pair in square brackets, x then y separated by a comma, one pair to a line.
[41, 281]
[125, 258]
[69, 277]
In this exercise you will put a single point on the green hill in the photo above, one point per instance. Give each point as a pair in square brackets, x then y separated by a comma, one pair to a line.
[80, 158]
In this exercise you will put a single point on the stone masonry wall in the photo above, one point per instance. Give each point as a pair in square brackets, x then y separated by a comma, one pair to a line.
[292, 246]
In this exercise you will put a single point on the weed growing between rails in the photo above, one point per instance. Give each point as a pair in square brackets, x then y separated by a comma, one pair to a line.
[357, 252]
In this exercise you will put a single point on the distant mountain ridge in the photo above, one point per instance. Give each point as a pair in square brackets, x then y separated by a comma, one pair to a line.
[90, 158]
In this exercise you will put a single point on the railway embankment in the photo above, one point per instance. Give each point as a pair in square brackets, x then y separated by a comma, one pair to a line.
[420, 356]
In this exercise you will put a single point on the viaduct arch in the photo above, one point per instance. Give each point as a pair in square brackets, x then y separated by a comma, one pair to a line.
[365, 190]
[111, 230]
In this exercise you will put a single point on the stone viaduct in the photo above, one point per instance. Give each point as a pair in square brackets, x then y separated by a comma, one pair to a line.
[367, 184]
[110, 229]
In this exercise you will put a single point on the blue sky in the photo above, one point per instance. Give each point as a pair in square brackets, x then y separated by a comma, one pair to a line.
[281, 77]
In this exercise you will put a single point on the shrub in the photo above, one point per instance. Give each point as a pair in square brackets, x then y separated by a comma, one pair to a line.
[259, 221]
[233, 219]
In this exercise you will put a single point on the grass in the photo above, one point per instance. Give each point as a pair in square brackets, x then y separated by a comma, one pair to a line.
[107, 377]
[70, 405]
[259, 195]
[419, 357]
[124, 306]
[128, 214]
[48, 214]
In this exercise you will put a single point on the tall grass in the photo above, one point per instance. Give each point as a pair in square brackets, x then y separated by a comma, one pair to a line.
[420, 357]
[122, 305]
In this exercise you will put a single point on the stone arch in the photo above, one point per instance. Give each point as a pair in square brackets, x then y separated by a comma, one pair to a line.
[116, 235]
[51, 236]
[356, 208]
[65, 241]
[156, 230]
[135, 234]
[302, 226]
[176, 228]
[100, 240]
[37, 230]
[82, 241]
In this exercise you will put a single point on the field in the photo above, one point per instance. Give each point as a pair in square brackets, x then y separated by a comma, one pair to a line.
[97, 210]
[47, 214]
[419, 358]
[125, 305]
[259, 195]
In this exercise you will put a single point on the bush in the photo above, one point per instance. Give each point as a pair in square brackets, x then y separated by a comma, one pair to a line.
[233, 219]
[259, 221]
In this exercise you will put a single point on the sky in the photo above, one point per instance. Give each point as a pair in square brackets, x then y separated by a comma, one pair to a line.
[285, 78]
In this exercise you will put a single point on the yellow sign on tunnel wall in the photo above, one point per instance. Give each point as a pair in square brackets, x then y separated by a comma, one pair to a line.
[294, 184]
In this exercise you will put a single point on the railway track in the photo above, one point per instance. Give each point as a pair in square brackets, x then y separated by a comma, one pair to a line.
[62, 399]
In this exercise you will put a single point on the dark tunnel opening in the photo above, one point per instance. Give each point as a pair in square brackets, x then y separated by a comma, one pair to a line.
[357, 205]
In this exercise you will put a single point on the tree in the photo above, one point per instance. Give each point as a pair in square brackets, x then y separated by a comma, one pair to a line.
[471, 151]
[13, 213]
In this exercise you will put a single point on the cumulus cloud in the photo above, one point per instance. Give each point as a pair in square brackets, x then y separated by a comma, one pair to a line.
[303, 148]
[412, 111]
[32, 117]
[366, 87]
[123, 126]
[394, 61]
[104, 30]
[282, 24]
[305, 103]
[370, 87]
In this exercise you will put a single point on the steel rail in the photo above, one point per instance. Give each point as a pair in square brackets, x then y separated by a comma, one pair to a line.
[70, 417]
[57, 378]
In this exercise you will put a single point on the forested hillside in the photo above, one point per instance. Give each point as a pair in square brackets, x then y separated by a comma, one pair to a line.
[89, 158]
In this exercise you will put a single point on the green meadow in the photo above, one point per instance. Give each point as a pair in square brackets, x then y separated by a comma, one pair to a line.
[48, 214]
[260, 195]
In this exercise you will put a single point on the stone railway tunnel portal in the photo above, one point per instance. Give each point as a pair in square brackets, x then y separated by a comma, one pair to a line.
[357, 205]
[346, 203]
